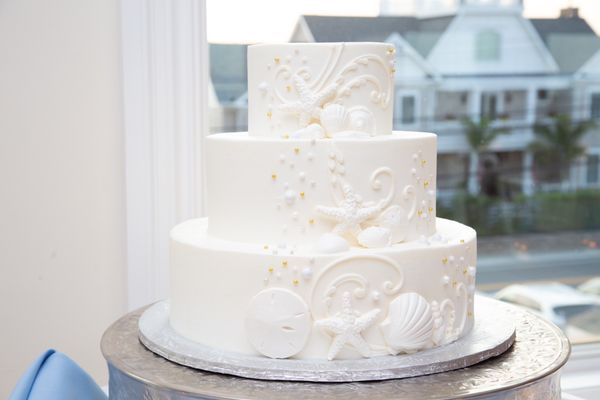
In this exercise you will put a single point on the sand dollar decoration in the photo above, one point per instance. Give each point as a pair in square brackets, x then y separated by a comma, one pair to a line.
[278, 323]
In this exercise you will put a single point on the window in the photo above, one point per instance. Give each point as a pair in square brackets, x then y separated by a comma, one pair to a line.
[595, 106]
[489, 105]
[593, 163]
[408, 110]
[487, 46]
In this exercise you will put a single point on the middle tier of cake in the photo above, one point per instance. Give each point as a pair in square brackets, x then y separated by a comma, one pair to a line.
[323, 194]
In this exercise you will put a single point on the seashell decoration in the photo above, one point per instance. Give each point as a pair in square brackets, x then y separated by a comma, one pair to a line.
[394, 218]
[312, 131]
[374, 236]
[409, 324]
[360, 119]
[333, 119]
[278, 323]
[332, 243]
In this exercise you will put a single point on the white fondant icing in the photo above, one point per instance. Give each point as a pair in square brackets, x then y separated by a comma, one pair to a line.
[300, 85]
[205, 268]
[409, 324]
[320, 118]
[346, 328]
[374, 237]
[333, 119]
[277, 323]
[332, 243]
[312, 131]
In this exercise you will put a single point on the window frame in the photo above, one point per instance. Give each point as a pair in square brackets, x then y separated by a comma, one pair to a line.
[402, 93]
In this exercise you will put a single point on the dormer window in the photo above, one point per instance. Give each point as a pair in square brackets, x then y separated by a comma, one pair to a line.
[487, 45]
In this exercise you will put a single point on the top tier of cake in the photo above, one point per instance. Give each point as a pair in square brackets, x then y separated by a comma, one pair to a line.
[320, 90]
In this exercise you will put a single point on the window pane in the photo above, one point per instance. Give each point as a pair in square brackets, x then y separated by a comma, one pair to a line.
[487, 46]
[408, 109]
[595, 114]
[593, 163]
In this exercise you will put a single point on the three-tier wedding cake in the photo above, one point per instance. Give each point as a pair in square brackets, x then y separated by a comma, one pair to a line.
[322, 240]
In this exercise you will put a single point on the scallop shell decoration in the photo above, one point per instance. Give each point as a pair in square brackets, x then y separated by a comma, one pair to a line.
[374, 237]
[394, 218]
[409, 324]
[360, 119]
[333, 119]
[278, 323]
[312, 131]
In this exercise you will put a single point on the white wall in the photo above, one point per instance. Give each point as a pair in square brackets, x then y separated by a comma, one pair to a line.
[62, 230]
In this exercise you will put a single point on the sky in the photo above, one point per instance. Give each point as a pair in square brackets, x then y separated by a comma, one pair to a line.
[251, 21]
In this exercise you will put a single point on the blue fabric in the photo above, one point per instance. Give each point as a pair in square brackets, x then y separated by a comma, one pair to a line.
[54, 376]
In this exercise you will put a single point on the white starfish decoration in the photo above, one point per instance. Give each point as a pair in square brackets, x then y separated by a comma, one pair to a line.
[309, 105]
[350, 213]
[346, 327]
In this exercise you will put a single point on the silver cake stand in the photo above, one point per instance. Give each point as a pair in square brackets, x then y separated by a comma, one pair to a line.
[528, 370]
[492, 335]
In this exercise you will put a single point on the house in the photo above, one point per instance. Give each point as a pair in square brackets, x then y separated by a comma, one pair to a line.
[482, 58]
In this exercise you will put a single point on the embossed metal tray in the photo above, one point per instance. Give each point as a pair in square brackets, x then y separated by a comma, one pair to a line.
[492, 334]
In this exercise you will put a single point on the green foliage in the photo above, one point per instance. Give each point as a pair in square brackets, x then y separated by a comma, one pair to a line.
[542, 212]
[557, 144]
[480, 134]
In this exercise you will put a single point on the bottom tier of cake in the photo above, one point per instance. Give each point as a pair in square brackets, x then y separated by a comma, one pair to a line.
[281, 302]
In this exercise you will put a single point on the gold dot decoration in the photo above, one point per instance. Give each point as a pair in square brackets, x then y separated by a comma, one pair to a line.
[392, 71]
[462, 240]
[274, 177]
[295, 282]
[423, 162]
[419, 212]
[302, 194]
[426, 184]
[465, 271]
[311, 221]
[269, 114]
[430, 209]
[284, 263]
[288, 88]
[277, 60]
[445, 260]
[454, 284]
[470, 314]
[286, 136]
[271, 269]
[266, 247]
[391, 51]
[297, 150]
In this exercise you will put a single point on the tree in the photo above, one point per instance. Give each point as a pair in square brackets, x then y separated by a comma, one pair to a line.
[557, 145]
[480, 134]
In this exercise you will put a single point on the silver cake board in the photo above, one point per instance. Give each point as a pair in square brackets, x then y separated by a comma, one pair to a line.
[493, 333]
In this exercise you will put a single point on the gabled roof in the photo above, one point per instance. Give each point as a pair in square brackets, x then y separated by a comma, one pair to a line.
[421, 33]
[549, 26]
[570, 40]
[228, 71]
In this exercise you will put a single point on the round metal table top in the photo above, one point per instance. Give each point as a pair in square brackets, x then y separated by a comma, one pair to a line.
[540, 350]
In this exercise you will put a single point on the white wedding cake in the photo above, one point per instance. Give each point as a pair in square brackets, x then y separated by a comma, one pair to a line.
[322, 240]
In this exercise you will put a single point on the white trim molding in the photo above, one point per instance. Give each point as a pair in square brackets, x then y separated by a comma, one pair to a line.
[165, 86]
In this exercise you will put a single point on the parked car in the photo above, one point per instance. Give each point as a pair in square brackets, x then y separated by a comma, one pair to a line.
[591, 286]
[575, 312]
